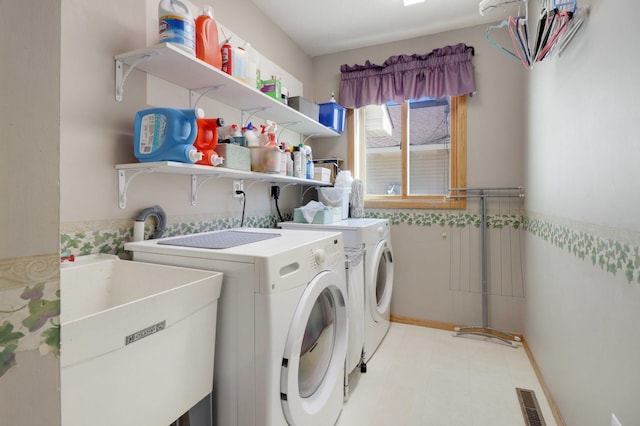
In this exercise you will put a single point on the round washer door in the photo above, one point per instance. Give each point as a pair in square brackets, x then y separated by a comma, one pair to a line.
[313, 363]
[379, 283]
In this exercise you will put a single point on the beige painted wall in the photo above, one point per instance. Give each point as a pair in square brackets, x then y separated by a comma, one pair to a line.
[29, 210]
[582, 154]
[425, 264]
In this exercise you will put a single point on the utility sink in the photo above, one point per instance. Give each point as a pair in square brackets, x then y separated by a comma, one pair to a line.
[137, 340]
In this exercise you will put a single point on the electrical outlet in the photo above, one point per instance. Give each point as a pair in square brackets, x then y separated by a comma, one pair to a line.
[615, 421]
[238, 185]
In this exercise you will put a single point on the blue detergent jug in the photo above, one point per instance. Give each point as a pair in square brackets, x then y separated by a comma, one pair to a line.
[167, 134]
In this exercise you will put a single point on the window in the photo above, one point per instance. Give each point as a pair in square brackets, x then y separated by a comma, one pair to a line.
[408, 155]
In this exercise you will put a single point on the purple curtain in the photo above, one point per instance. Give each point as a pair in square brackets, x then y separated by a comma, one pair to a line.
[444, 72]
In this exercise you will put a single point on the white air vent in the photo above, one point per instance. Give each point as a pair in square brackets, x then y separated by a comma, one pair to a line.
[377, 121]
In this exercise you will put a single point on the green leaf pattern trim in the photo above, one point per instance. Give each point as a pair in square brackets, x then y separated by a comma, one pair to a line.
[20, 326]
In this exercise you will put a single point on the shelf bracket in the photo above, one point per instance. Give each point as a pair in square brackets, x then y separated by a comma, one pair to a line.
[308, 137]
[195, 187]
[123, 184]
[253, 182]
[120, 78]
[284, 126]
[306, 190]
[195, 92]
[252, 112]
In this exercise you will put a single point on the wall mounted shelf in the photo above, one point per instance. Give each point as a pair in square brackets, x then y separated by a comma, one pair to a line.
[197, 171]
[172, 64]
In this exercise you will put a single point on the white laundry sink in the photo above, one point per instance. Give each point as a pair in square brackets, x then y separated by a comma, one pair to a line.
[137, 340]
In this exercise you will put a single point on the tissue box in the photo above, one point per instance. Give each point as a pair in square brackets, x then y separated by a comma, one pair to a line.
[333, 116]
[235, 156]
[322, 216]
[306, 107]
[271, 88]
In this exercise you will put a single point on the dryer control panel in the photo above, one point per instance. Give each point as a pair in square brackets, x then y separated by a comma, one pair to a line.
[300, 265]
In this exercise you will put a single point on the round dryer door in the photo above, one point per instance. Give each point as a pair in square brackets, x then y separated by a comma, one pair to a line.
[379, 283]
[312, 367]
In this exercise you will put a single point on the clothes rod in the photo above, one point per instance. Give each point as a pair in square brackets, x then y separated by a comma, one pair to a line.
[514, 188]
[487, 196]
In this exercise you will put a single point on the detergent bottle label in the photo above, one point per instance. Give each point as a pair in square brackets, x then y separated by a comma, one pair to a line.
[153, 133]
[176, 29]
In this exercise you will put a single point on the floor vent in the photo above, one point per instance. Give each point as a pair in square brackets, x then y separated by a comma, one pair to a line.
[530, 408]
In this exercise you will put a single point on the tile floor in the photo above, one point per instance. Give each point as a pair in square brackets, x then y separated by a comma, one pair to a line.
[421, 376]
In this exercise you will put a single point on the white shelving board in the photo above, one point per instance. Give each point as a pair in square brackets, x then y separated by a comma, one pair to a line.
[172, 64]
[196, 171]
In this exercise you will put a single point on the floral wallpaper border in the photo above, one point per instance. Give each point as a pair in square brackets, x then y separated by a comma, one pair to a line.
[612, 254]
[29, 307]
[613, 251]
[90, 238]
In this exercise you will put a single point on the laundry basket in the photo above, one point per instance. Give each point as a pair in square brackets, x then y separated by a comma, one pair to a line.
[335, 197]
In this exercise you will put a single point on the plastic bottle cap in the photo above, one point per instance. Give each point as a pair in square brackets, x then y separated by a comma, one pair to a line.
[207, 11]
[216, 160]
[199, 112]
[195, 155]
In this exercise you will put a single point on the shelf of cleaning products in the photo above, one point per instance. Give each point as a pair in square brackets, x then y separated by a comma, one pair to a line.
[170, 63]
[198, 171]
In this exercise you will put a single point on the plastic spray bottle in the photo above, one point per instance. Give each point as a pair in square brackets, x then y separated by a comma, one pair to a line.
[207, 44]
[250, 135]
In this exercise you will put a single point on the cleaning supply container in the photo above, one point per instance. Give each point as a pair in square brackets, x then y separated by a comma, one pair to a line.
[332, 115]
[137, 340]
[207, 140]
[177, 24]
[207, 44]
[167, 134]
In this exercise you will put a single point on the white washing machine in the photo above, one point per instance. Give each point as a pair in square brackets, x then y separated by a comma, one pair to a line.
[375, 234]
[282, 321]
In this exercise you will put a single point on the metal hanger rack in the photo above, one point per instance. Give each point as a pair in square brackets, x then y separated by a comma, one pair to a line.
[482, 194]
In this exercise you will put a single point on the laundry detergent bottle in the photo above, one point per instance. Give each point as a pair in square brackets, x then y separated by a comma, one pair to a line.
[207, 140]
[207, 44]
[167, 134]
[177, 24]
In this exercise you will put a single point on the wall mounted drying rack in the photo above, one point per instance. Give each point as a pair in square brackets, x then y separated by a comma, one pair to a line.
[482, 194]
[197, 171]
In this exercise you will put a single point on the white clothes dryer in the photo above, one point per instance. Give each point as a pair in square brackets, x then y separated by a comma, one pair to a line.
[282, 321]
[375, 235]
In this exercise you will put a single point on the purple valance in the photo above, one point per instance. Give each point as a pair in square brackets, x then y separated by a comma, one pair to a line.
[443, 72]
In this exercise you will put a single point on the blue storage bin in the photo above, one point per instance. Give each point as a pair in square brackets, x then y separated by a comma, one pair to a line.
[333, 116]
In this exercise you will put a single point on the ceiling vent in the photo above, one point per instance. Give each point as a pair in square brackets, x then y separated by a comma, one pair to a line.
[377, 121]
